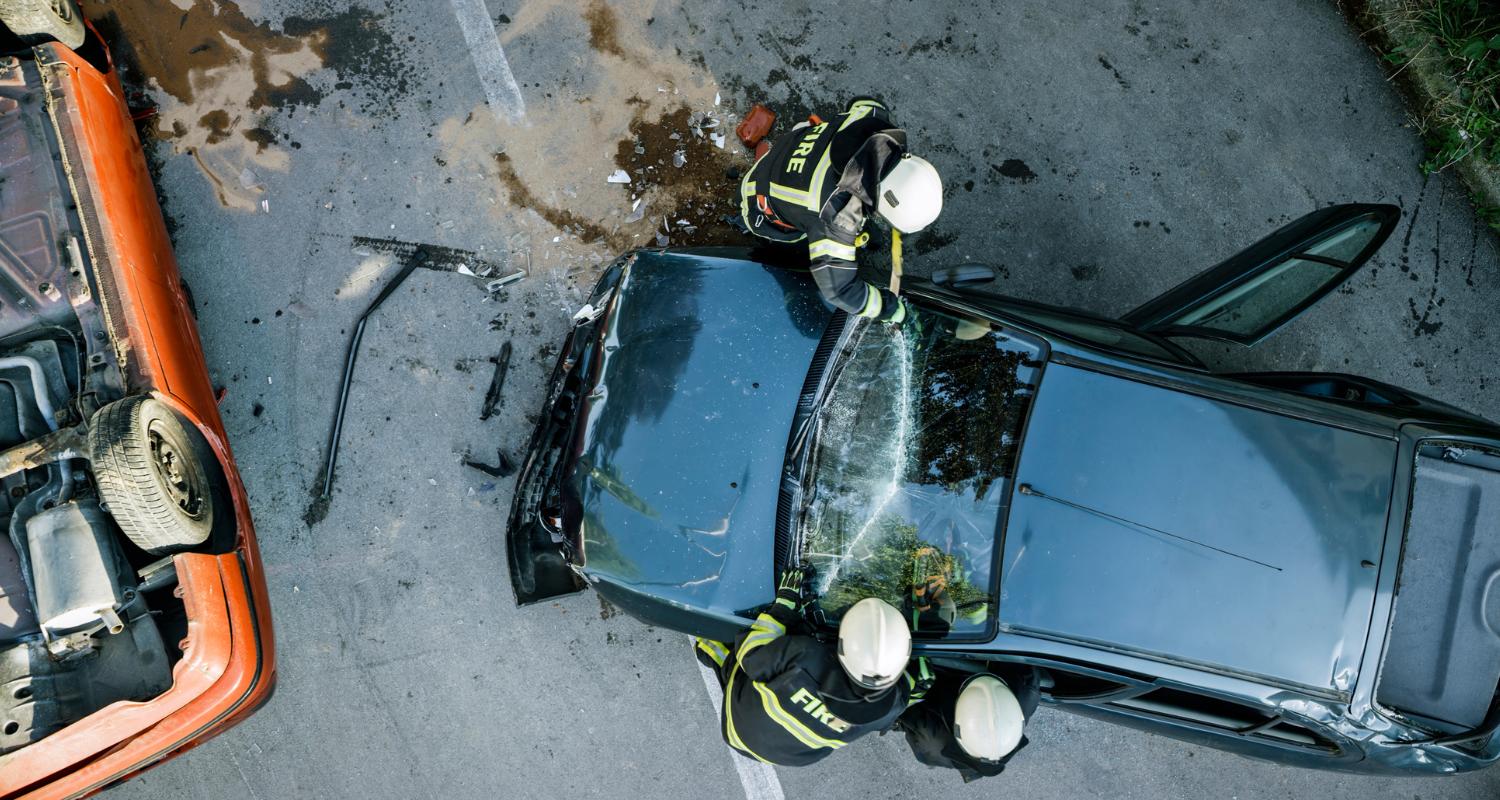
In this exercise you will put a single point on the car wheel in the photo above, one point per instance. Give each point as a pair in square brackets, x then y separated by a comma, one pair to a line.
[151, 475]
[42, 21]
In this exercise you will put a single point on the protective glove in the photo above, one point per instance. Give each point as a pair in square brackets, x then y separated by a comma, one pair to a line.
[791, 586]
[895, 311]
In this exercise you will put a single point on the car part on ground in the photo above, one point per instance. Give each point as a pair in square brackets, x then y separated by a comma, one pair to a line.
[497, 383]
[418, 258]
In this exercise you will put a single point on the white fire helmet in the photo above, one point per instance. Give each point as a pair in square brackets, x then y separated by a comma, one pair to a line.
[987, 720]
[874, 643]
[911, 195]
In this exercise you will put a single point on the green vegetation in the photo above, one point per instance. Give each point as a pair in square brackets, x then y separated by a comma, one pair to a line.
[1458, 43]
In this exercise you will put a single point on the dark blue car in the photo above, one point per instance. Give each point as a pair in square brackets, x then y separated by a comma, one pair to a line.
[1300, 567]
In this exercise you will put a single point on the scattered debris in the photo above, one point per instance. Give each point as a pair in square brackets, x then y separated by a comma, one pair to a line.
[447, 259]
[492, 397]
[248, 179]
[503, 468]
[618, 176]
[692, 187]
[637, 211]
[419, 257]
[588, 313]
[499, 283]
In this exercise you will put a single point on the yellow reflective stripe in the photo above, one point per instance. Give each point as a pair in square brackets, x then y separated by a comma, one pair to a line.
[866, 104]
[715, 650]
[857, 112]
[764, 630]
[792, 725]
[788, 194]
[820, 172]
[734, 736]
[829, 247]
[873, 303]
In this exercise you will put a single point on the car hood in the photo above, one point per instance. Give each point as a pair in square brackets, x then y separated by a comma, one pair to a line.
[1121, 473]
[673, 493]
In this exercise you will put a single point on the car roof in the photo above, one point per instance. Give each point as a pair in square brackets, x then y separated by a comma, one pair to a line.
[1161, 522]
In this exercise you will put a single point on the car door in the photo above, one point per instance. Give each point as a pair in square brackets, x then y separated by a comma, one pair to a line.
[1258, 290]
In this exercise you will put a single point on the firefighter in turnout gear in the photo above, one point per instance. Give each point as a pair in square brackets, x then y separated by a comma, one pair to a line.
[791, 699]
[976, 724]
[819, 183]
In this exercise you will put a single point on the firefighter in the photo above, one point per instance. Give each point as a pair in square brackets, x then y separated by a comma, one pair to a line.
[820, 182]
[791, 699]
[975, 725]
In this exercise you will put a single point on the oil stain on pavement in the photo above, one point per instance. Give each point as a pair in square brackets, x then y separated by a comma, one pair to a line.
[219, 78]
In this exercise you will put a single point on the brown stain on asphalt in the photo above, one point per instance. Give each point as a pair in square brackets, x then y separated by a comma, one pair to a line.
[602, 25]
[702, 191]
[559, 218]
[218, 78]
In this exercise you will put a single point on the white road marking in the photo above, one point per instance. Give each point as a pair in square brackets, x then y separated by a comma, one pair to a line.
[500, 87]
[756, 777]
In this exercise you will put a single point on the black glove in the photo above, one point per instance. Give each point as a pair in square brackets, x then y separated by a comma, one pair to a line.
[791, 586]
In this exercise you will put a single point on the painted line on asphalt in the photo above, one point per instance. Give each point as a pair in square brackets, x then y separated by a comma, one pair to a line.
[756, 777]
[500, 87]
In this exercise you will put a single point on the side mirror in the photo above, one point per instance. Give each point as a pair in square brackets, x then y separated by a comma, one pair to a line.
[963, 275]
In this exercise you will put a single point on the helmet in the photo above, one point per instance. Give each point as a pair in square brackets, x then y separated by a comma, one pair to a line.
[874, 643]
[911, 195]
[987, 720]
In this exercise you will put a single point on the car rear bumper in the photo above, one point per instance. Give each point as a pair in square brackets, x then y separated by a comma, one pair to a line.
[225, 674]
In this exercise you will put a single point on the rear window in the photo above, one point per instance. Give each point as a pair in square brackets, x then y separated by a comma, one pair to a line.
[1442, 660]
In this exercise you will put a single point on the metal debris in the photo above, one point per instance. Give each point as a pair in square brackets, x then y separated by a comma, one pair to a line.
[718, 140]
[418, 258]
[679, 159]
[618, 176]
[504, 468]
[637, 211]
[498, 283]
[492, 396]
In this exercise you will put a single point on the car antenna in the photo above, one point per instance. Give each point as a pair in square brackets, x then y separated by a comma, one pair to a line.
[1030, 491]
[419, 258]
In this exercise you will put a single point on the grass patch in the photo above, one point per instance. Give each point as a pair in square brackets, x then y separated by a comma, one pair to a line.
[1459, 42]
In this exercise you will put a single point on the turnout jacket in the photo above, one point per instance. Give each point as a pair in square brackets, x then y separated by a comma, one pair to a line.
[788, 701]
[929, 726]
[818, 183]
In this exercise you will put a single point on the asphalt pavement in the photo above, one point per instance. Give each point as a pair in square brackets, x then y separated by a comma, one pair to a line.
[1096, 153]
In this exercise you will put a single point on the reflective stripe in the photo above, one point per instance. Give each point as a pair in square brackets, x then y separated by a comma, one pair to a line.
[733, 735]
[715, 650]
[764, 630]
[788, 194]
[873, 303]
[792, 725]
[829, 247]
[857, 112]
[820, 172]
[867, 104]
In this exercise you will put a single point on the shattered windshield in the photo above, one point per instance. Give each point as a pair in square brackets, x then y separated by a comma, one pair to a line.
[915, 449]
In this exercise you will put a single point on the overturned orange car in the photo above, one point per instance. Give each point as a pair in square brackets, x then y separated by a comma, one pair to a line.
[133, 613]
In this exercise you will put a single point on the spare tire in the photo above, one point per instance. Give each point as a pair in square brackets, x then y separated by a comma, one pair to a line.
[41, 21]
[152, 476]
